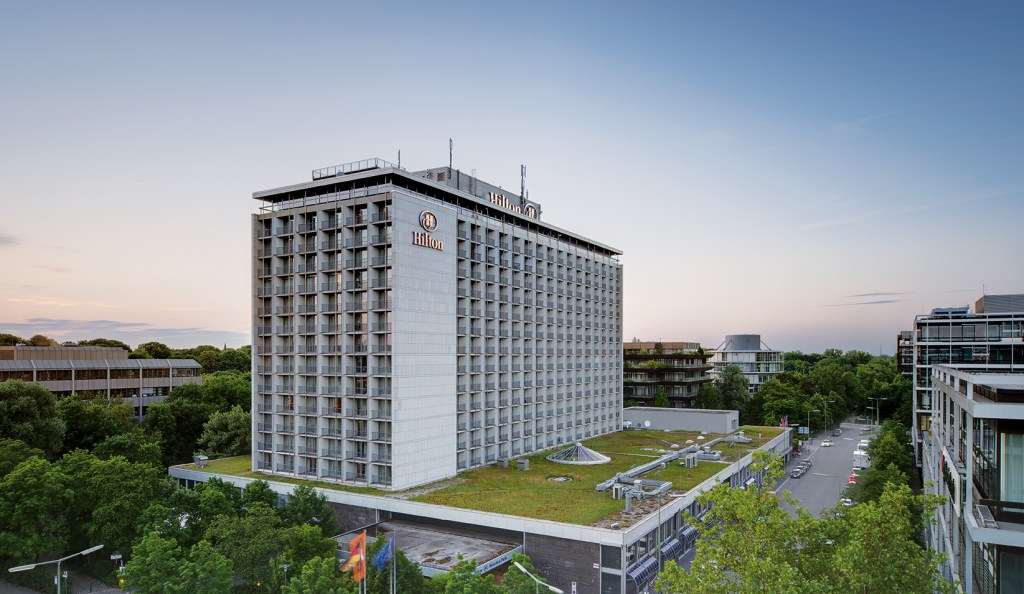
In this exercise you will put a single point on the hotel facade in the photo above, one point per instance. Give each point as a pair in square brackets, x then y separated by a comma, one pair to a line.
[410, 325]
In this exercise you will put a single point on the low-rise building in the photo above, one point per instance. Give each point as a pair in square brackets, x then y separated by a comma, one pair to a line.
[676, 368]
[758, 361]
[98, 372]
[973, 456]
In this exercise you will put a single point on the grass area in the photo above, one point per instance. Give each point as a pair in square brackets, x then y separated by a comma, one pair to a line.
[531, 494]
[241, 466]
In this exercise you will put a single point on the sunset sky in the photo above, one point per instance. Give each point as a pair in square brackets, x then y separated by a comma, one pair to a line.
[815, 172]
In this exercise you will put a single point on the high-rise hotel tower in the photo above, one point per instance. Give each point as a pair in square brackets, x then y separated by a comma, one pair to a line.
[408, 325]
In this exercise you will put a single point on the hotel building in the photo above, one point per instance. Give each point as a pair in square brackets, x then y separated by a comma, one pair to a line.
[989, 339]
[409, 325]
[758, 362]
[973, 456]
[98, 372]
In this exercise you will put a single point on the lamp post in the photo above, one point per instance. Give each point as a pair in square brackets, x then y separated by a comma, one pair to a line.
[537, 580]
[878, 412]
[285, 566]
[57, 561]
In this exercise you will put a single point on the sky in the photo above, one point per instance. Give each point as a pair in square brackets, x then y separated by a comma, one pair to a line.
[814, 172]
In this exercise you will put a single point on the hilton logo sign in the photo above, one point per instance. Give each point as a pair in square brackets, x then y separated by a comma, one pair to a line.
[428, 221]
[502, 201]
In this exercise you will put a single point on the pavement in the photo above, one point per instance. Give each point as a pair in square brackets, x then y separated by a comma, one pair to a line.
[823, 486]
[79, 584]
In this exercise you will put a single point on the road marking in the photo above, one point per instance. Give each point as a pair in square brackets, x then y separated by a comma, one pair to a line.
[820, 474]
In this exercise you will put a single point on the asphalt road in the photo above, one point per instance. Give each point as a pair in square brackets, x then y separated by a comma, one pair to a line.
[823, 486]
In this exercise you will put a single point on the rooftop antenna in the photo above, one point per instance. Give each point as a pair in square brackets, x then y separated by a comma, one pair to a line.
[399, 158]
[522, 181]
[451, 147]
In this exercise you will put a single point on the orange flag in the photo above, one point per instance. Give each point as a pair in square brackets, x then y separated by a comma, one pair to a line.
[357, 557]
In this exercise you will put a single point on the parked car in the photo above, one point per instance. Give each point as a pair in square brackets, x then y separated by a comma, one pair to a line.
[797, 472]
[827, 443]
[837, 432]
[846, 501]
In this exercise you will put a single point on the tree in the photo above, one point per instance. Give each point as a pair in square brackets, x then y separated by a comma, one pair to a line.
[874, 480]
[410, 578]
[87, 422]
[660, 398]
[104, 342]
[306, 506]
[40, 340]
[259, 491]
[33, 500]
[155, 567]
[10, 340]
[320, 575]
[732, 385]
[709, 397]
[250, 542]
[207, 571]
[177, 423]
[749, 543]
[153, 350]
[517, 582]
[13, 452]
[227, 433]
[133, 446]
[28, 414]
[463, 579]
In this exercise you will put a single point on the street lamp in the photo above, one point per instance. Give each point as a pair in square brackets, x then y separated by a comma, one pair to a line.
[57, 561]
[537, 580]
[878, 411]
[285, 567]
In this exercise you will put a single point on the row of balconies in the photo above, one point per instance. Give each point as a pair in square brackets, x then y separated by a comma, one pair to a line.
[325, 225]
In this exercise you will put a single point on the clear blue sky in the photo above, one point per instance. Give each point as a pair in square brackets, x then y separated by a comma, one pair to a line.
[816, 172]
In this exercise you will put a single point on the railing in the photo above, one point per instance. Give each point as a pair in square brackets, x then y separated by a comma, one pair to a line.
[354, 166]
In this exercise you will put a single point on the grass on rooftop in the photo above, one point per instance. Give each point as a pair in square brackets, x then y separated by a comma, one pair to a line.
[241, 466]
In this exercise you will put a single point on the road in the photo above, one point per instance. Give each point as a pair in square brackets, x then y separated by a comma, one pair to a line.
[823, 486]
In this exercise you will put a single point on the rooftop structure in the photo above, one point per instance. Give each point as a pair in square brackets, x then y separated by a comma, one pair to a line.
[677, 369]
[411, 325]
[987, 339]
[758, 361]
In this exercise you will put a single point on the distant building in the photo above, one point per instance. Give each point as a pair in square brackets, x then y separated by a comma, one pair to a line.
[98, 372]
[678, 368]
[973, 456]
[987, 339]
[758, 361]
[905, 353]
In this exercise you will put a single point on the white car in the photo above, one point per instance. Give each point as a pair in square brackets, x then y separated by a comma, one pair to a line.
[827, 443]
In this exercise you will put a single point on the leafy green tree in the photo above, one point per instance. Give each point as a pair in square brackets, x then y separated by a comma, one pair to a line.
[109, 497]
[178, 424]
[13, 452]
[87, 422]
[320, 575]
[250, 541]
[660, 398]
[40, 340]
[11, 340]
[778, 400]
[891, 447]
[28, 414]
[227, 433]
[463, 579]
[732, 385]
[709, 397]
[218, 498]
[153, 350]
[873, 481]
[306, 506]
[104, 342]
[259, 491]
[207, 571]
[33, 500]
[155, 567]
[517, 582]
[133, 446]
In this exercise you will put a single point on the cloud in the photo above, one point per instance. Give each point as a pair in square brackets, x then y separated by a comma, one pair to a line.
[879, 302]
[130, 332]
[55, 301]
[7, 240]
[883, 294]
[57, 269]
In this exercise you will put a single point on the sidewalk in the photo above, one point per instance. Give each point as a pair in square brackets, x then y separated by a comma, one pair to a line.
[80, 584]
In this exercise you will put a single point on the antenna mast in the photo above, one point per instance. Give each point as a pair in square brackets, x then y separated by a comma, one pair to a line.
[451, 147]
[522, 181]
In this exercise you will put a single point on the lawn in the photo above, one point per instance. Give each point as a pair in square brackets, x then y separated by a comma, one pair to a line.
[241, 466]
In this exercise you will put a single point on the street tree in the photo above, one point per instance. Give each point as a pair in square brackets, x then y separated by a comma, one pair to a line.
[134, 446]
[320, 575]
[156, 566]
[463, 579]
[88, 423]
[13, 452]
[249, 541]
[410, 578]
[517, 582]
[708, 397]
[732, 385]
[34, 498]
[306, 506]
[259, 491]
[28, 414]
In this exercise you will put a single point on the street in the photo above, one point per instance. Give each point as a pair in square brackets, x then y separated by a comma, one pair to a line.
[823, 485]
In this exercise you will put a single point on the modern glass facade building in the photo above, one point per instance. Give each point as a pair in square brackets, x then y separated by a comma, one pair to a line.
[973, 456]
[759, 362]
[676, 368]
[989, 338]
[408, 325]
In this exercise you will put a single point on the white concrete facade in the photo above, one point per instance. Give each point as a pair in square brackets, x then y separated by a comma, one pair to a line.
[406, 329]
[758, 362]
[973, 456]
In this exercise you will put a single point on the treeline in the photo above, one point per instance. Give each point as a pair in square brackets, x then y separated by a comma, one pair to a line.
[833, 383]
[210, 357]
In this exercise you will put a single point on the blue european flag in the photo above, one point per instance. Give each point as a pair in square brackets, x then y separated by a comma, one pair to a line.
[385, 554]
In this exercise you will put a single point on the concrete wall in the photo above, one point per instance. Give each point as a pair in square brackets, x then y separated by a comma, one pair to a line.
[683, 419]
